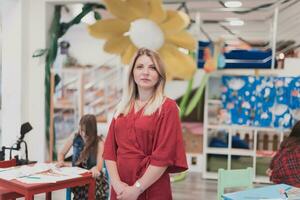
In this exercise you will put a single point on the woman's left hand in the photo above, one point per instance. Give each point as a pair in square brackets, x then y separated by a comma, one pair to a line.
[95, 172]
[129, 193]
[269, 172]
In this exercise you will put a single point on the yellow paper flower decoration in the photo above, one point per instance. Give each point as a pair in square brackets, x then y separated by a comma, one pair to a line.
[144, 23]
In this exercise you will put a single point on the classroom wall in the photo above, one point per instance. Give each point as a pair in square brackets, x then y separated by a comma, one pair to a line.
[292, 65]
[86, 49]
[13, 59]
[23, 22]
[25, 27]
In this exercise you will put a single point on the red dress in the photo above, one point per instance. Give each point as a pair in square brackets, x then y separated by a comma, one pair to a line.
[135, 141]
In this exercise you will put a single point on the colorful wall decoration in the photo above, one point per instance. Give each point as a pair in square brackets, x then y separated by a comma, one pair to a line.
[261, 101]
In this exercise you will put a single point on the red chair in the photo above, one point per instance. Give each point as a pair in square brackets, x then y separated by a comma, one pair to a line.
[6, 194]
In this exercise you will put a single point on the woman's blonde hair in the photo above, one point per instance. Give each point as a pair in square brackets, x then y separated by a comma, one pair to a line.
[131, 94]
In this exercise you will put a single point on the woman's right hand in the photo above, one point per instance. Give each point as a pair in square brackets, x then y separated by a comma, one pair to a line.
[119, 187]
[60, 164]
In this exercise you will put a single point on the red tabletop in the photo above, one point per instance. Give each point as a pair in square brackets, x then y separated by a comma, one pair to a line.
[29, 190]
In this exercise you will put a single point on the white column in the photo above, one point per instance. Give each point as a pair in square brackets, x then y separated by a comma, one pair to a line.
[39, 24]
[274, 34]
[11, 70]
[12, 62]
[25, 26]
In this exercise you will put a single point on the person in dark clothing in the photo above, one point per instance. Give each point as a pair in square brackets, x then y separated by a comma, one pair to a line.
[87, 154]
[285, 165]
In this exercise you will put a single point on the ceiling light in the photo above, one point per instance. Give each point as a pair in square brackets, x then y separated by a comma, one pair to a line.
[236, 22]
[281, 56]
[233, 4]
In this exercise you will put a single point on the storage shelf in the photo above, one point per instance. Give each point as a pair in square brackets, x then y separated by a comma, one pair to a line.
[64, 107]
[262, 179]
[215, 101]
[227, 151]
[254, 134]
[237, 127]
[263, 153]
[94, 91]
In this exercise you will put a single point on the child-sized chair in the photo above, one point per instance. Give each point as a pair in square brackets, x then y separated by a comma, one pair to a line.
[235, 178]
[5, 193]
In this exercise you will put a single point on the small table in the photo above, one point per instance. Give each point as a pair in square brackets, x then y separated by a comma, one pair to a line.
[29, 190]
[268, 192]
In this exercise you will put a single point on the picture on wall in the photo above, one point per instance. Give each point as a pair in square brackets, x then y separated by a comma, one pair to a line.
[261, 101]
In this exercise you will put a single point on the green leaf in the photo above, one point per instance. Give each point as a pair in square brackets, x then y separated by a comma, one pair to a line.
[39, 52]
[97, 15]
[185, 98]
[196, 98]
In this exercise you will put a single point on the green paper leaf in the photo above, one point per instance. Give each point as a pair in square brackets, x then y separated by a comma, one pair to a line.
[97, 15]
[39, 52]
[196, 98]
[185, 98]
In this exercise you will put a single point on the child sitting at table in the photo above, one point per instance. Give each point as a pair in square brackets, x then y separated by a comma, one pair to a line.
[87, 153]
[285, 165]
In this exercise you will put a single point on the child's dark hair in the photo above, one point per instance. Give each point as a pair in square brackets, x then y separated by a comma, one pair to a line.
[295, 130]
[88, 124]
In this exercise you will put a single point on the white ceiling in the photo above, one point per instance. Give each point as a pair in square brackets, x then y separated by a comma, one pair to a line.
[258, 23]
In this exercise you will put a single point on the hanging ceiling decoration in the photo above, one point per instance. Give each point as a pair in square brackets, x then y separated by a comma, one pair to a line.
[145, 23]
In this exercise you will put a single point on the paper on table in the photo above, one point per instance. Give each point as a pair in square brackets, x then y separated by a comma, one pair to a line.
[293, 193]
[36, 179]
[43, 173]
[25, 170]
[70, 170]
[6, 169]
[49, 177]
[53, 175]
[9, 174]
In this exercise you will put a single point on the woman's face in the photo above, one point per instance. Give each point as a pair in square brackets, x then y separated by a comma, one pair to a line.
[145, 73]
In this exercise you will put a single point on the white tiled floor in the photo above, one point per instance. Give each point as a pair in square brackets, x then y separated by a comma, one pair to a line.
[192, 188]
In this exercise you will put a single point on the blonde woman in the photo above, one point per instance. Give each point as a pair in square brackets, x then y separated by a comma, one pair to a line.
[144, 142]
